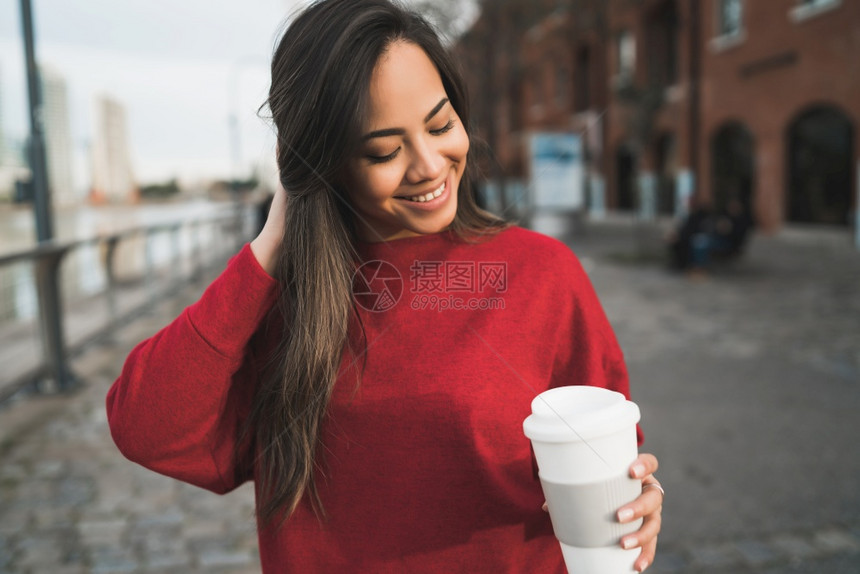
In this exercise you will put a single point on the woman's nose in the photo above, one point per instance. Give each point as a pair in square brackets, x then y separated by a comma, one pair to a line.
[427, 163]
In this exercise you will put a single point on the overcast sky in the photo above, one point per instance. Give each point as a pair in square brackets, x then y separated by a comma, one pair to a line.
[175, 65]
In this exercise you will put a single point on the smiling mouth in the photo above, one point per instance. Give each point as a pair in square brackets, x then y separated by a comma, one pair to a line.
[427, 196]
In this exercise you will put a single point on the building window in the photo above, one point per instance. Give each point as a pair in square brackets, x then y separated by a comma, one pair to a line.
[537, 93]
[729, 25]
[626, 55]
[562, 78]
[662, 45]
[730, 17]
[806, 9]
[514, 105]
[582, 86]
[817, 3]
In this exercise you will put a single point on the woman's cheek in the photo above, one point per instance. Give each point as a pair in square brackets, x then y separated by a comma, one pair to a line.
[463, 143]
[384, 182]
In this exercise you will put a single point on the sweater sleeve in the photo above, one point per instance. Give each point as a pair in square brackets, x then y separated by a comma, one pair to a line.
[587, 352]
[179, 401]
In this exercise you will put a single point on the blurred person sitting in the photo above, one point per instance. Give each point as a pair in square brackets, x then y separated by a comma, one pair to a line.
[688, 245]
[731, 230]
[705, 235]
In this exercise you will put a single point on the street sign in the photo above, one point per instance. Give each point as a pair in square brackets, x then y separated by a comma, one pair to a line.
[557, 171]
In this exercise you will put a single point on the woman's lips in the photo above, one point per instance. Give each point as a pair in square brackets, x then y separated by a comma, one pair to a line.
[444, 191]
[423, 198]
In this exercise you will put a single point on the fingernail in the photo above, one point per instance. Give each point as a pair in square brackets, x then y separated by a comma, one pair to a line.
[545, 508]
[628, 543]
[642, 567]
[638, 470]
[625, 515]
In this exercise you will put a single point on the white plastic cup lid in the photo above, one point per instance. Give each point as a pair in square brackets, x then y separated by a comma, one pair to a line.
[578, 413]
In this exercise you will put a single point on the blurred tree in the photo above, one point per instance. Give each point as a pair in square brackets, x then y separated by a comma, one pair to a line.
[450, 17]
[492, 54]
[642, 103]
[160, 190]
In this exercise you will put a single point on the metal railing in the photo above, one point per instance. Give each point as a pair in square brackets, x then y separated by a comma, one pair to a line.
[59, 298]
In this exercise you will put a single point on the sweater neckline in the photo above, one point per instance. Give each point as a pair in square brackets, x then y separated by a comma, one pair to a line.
[401, 242]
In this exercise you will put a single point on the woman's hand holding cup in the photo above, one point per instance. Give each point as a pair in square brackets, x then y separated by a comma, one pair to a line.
[648, 506]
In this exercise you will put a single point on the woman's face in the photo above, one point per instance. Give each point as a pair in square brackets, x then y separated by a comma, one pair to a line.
[404, 179]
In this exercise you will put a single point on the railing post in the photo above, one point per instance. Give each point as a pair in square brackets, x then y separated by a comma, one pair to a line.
[237, 225]
[51, 317]
[50, 370]
[237, 236]
[223, 228]
[177, 254]
[149, 264]
[110, 270]
[195, 251]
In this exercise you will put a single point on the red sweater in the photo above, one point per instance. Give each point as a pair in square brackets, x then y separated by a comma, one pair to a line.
[425, 466]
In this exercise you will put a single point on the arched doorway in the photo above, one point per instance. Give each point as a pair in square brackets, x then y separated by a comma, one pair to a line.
[732, 166]
[625, 179]
[820, 152]
[667, 167]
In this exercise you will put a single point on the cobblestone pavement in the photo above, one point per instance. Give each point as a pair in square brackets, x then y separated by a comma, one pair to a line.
[70, 503]
[748, 382]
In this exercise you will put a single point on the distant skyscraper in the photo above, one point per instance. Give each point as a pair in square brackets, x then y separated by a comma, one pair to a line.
[58, 136]
[113, 179]
[12, 165]
[2, 133]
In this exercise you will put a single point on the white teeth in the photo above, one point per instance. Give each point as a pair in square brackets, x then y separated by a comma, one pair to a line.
[429, 196]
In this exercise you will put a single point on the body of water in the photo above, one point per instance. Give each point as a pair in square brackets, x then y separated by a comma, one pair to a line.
[82, 270]
[18, 224]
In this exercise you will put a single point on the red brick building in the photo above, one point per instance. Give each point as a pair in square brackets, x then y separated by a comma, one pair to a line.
[756, 101]
[781, 101]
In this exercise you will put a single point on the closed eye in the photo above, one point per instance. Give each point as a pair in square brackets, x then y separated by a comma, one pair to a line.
[374, 159]
[444, 129]
[383, 158]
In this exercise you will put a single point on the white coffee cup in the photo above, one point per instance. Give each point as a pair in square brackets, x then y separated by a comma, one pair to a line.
[584, 440]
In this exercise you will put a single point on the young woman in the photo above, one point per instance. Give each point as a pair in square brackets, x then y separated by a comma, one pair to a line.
[369, 358]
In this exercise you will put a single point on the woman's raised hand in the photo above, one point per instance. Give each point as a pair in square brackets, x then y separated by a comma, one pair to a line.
[266, 245]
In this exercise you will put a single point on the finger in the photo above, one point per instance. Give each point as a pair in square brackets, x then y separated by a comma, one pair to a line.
[646, 557]
[644, 465]
[650, 501]
[646, 534]
[545, 507]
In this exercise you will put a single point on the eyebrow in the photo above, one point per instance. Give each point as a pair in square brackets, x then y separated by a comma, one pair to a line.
[399, 131]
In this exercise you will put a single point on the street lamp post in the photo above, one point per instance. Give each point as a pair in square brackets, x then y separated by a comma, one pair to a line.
[233, 118]
[38, 163]
[235, 134]
[48, 264]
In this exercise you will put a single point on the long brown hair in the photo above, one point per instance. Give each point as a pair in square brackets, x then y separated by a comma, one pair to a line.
[321, 74]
